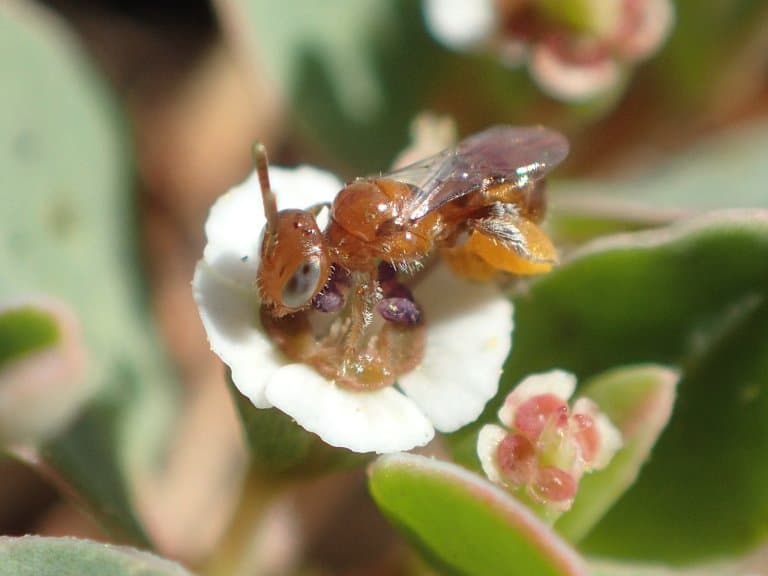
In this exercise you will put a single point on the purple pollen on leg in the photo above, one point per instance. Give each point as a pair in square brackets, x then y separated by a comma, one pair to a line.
[399, 311]
[328, 301]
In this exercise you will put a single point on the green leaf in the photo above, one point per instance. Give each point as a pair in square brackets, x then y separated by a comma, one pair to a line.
[88, 449]
[465, 524]
[37, 556]
[667, 296]
[576, 222]
[355, 73]
[705, 493]
[638, 400]
[710, 41]
[68, 231]
[725, 172]
[276, 442]
[605, 568]
[25, 330]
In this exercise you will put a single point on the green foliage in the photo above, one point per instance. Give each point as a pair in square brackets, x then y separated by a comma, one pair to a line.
[276, 442]
[700, 57]
[693, 295]
[87, 457]
[464, 524]
[707, 486]
[638, 400]
[36, 556]
[725, 172]
[68, 231]
[355, 73]
[25, 330]
[604, 568]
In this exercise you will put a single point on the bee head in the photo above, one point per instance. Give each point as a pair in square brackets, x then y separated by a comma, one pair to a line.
[294, 265]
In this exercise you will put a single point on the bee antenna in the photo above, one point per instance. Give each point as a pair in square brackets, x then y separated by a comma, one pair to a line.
[267, 195]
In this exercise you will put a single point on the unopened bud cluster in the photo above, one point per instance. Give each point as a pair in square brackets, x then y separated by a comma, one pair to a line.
[545, 446]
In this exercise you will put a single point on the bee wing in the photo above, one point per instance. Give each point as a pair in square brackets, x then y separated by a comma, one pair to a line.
[498, 155]
[424, 172]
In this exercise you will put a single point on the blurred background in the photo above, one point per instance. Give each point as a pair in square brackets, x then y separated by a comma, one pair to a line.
[122, 121]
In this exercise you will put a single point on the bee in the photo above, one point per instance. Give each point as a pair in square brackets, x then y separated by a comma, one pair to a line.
[478, 204]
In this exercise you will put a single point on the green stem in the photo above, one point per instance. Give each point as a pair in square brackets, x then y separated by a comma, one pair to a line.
[232, 557]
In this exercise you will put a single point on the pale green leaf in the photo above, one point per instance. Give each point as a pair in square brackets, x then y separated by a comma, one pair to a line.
[38, 556]
[638, 400]
[463, 523]
[68, 231]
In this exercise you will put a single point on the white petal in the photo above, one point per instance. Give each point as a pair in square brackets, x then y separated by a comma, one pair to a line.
[610, 437]
[230, 314]
[487, 446]
[377, 421]
[610, 441]
[557, 382]
[303, 186]
[469, 335]
[658, 16]
[573, 82]
[236, 220]
[460, 23]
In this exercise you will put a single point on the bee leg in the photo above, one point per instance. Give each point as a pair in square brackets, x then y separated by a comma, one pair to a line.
[387, 273]
[403, 311]
[504, 230]
[397, 305]
[329, 300]
[332, 297]
[511, 243]
[536, 206]
[529, 201]
[389, 284]
[363, 297]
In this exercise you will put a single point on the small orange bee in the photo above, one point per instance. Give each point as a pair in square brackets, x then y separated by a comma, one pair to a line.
[478, 203]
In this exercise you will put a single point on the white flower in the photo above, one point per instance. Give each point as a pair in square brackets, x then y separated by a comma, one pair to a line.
[574, 50]
[468, 335]
[571, 81]
[460, 23]
[544, 447]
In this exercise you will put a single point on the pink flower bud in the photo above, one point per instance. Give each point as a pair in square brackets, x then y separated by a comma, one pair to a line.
[555, 486]
[539, 411]
[516, 457]
[548, 446]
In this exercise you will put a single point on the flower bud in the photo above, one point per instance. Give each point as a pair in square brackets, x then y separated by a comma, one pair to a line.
[546, 446]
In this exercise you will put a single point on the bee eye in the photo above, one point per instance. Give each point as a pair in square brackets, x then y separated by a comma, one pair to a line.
[303, 284]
